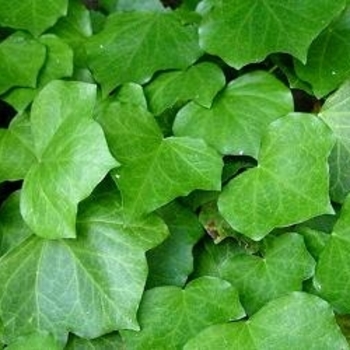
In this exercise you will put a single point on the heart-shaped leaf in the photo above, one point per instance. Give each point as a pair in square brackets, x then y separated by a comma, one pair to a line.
[170, 316]
[235, 123]
[73, 158]
[90, 286]
[134, 45]
[34, 16]
[296, 321]
[290, 183]
[246, 32]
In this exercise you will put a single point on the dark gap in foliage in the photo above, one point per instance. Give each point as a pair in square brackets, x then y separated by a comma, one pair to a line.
[173, 4]
[303, 102]
[91, 4]
[7, 188]
[7, 113]
[236, 165]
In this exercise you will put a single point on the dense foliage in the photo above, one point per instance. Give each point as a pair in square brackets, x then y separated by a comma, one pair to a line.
[175, 175]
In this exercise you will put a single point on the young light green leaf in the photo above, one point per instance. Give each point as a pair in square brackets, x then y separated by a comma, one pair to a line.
[239, 115]
[285, 264]
[16, 149]
[199, 83]
[290, 183]
[170, 316]
[134, 45]
[172, 262]
[296, 321]
[246, 32]
[73, 158]
[108, 342]
[328, 63]
[335, 113]
[333, 268]
[34, 16]
[20, 72]
[90, 286]
[39, 340]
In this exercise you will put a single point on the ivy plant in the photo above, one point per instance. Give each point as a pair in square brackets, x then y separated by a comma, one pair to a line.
[174, 174]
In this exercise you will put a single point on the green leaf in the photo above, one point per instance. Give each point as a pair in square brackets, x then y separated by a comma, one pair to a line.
[290, 183]
[172, 262]
[327, 64]
[33, 15]
[199, 83]
[135, 5]
[170, 316]
[333, 268]
[89, 286]
[234, 124]
[72, 158]
[108, 342]
[35, 341]
[20, 72]
[335, 113]
[16, 149]
[156, 170]
[285, 264]
[246, 32]
[296, 321]
[134, 45]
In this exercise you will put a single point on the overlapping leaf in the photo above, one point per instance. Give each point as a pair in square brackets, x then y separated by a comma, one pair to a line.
[72, 154]
[199, 83]
[170, 316]
[156, 170]
[289, 185]
[332, 273]
[34, 16]
[39, 340]
[90, 286]
[134, 45]
[246, 32]
[135, 5]
[239, 116]
[108, 342]
[297, 321]
[23, 72]
[328, 63]
[336, 112]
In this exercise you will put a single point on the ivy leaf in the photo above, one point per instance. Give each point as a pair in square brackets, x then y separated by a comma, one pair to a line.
[284, 323]
[172, 262]
[155, 170]
[108, 342]
[34, 16]
[89, 286]
[73, 158]
[328, 65]
[135, 5]
[169, 316]
[285, 264]
[246, 32]
[134, 45]
[332, 272]
[23, 72]
[290, 183]
[199, 83]
[335, 113]
[38, 340]
[234, 124]
[16, 149]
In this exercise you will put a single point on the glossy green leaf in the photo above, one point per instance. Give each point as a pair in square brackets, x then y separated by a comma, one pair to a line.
[333, 268]
[34, 16]
[246, 32]
[284, 265]
[72, 158]
[156, 170]
[35, 341]
[134, 45]
[296, 321]
[172, 262]
[90, 286]
[170, 316]
[135, 5]
[328, 62]
[335, 113]
[239, 115]
[20, 72]
[108, 342]
[290, 183]
[199, 83]
[16, 149]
